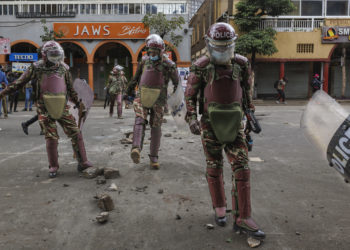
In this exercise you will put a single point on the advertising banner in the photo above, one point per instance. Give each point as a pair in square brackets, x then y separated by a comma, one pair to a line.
[5, 46]
[20, 67]
[23, 57]
[102, 30]
[336, 34]
[183, 73]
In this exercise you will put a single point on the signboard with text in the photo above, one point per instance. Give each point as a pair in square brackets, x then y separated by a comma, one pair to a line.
[23, 57]
[5, 46]
[102, 30]
[20, 67]
[336, 34]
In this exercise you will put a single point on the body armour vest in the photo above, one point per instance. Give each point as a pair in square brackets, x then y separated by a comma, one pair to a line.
[53, 91]
[151, 83]
[223, 97]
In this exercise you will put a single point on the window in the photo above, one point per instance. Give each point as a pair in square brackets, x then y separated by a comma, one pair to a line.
[82, 8]
[5, 9]
[148, 8]
[0, 9]
[37, 8]
[93, 9]
[305, 48]
[337, 8]
[311, 7]
[10, 9]
[87, 8]
[137, 8]
[121, 9]
[296, 11]
[126, 9]
[132, 8]
[103, 8]
[16, 9]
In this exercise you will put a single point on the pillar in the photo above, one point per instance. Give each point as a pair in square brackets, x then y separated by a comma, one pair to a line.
[91, 74]
[325, 76]
[134, 67]
[281, 70]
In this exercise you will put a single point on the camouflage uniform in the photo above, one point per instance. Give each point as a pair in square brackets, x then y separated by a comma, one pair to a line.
[39, 71]
[116, 86]
[204, 72]
[156, 112]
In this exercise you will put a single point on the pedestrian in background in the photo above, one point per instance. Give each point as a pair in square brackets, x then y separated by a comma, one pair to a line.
[11, 76]
[316, 83]
[280, 86]
[28, 100]
[3, 84]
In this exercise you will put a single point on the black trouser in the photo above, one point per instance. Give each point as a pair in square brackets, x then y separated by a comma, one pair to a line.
[14, 100]
[281, 95]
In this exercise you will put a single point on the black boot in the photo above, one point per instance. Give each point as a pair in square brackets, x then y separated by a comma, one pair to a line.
[26, 124]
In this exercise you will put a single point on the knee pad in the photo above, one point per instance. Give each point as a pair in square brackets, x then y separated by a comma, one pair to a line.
[214, 172]
[140, 121]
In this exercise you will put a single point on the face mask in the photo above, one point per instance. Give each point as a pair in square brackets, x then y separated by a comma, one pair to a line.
[154, 58]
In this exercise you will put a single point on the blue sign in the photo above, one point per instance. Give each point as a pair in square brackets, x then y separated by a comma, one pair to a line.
[23, 57]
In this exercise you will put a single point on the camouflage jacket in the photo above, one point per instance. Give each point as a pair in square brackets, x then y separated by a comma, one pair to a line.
[36, 71]
[203, 72]
[116, 84]
[164, 65]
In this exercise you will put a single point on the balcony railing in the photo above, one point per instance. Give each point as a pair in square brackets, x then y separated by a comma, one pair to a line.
[291, 24]
[45, 14]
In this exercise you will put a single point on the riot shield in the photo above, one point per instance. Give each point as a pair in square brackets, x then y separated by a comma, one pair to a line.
[86, 96]
[177, 106]
[327, 125]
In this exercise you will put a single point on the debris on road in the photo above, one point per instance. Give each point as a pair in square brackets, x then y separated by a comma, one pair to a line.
[111, 173]
[209, 226]
[140, 189]
[253, 242]
[178, 217]
[100, 181]
[65, 185]
[160, 191]
[92, 172]
[126, 141]
[228, 240]
[102, 217]
[112, 187]
[105, 202]
[167, 135]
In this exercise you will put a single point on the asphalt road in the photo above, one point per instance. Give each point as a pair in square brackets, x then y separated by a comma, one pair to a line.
[298, 200]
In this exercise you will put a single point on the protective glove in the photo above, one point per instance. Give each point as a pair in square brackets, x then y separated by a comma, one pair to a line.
[195, 127]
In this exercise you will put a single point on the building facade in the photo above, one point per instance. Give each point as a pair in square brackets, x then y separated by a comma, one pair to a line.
[97, 33]
[312, 39]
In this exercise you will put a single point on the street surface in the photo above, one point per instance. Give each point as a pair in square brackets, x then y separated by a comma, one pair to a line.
[298, 200]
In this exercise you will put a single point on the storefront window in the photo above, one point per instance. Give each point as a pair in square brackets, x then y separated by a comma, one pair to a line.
[337, 7]
[137, 8]
[0, 9]
[311, 7]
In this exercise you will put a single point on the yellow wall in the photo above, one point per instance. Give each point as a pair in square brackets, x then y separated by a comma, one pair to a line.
[286, 44]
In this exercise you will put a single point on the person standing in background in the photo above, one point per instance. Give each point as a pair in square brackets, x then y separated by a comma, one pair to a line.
[28, 92]
[281, 85]
[3, 84]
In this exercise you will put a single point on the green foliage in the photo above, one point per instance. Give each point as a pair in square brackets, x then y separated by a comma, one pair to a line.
[248, 17]
[159, 24]
[49, 35]
[257, 41]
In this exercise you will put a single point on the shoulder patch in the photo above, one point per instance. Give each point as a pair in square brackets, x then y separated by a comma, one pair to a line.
[202, 61]
[241, 60]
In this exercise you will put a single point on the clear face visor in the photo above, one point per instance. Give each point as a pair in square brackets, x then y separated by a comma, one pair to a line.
[55, 56]
[221, 51]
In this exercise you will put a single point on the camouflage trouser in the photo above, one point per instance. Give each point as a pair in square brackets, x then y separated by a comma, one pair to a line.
[156, 113]
[237, 155]
[113, 97]
[67, 122]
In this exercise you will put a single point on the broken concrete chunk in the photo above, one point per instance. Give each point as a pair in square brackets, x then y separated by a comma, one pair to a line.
[253, 242]
[105, 202]
[111, 173]
[210, 226]
[102, 217]
[92, 172]
[167, 135]
[126, 141]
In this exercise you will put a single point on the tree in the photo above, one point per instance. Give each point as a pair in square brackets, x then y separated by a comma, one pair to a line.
[49, 34]
[162, 26]
[248, 16]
